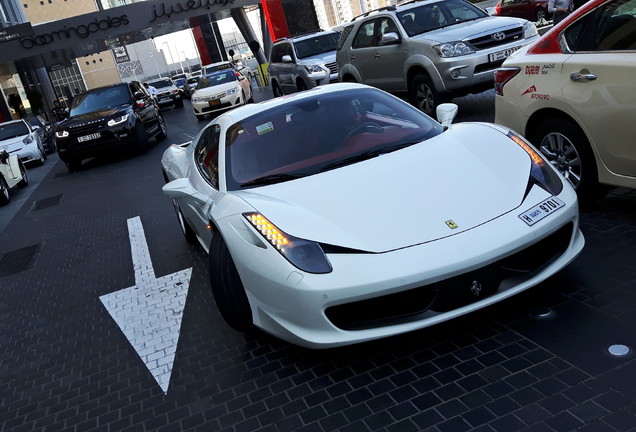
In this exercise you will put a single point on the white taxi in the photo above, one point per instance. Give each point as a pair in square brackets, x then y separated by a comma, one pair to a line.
[220, 91]
[573, 95]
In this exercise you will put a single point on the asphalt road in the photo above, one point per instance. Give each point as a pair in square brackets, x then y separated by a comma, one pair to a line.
[91, 338]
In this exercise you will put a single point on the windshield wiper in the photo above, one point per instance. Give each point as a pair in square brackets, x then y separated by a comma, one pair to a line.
[270, 179]
[366, 155]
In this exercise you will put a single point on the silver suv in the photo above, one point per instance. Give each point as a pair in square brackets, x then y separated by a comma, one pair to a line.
[302, 62]
[432, 49]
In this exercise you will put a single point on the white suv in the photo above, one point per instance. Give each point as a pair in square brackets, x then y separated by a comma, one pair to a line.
[432, 49]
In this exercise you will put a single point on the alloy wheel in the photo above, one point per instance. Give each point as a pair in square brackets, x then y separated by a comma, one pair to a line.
[562, 154]
[425, 98]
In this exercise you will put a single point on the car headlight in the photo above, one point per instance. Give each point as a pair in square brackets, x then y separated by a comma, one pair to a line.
[197, 99]
[28, 139]
[232, 91]
[61, 134]
[529, 30]
[454, 49]
[307, 255]
[541, 172]
[314, 68]
[118, 120]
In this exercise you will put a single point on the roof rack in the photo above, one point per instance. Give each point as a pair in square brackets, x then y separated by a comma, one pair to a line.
[390, 8]
[299, 34]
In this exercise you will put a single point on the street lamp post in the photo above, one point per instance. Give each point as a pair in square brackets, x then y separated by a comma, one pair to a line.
[169, 52]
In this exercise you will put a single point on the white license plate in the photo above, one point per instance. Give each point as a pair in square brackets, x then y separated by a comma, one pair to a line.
[89, 137]
[500, 55]
[541, 210]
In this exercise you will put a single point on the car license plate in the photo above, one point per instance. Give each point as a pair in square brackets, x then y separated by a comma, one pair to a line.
[89, 137]
[500, 55]
[541, 210]
[214, 102]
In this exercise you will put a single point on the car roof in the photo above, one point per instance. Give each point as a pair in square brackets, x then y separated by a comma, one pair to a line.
[307, 35]
[11, 121]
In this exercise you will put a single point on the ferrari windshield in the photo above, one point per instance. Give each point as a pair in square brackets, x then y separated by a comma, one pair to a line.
[432, 16]
[320, 133]
[216, 79]
[100, 99]
[13, 130]
[316, 45]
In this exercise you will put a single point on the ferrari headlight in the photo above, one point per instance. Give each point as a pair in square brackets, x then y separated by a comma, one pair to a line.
[453, 49]
[61, 134]
[232, 91]
[529, 30]
[541, 172]
[118, 120]
[307, 255]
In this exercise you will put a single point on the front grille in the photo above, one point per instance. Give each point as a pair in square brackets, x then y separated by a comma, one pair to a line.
[333, 67]
[86, 128]
[488, 41]
[450, 293]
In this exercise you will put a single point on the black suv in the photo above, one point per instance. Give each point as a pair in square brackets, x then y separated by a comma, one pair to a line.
[107, 118]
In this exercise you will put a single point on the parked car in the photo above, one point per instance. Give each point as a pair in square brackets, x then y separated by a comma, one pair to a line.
[215, 67]
[532, 10]
[302, 62]
[12, 174]
[184, 90]
[344, 214]
[167, 93]
[571, 94]
[220, 91]
[433, 50]
[18, 137]
[108, 118]
[45, 132]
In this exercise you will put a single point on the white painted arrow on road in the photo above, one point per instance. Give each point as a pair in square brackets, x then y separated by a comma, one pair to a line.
[150, 312]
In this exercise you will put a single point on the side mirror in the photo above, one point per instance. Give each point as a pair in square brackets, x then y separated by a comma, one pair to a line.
[390, 38]
[446, 113]
[35, 127]
[139, 95]
[4, 156]
[182, 188]
[287, 58]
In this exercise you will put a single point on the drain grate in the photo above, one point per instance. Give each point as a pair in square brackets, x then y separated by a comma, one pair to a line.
[46, 202]
[18, 260]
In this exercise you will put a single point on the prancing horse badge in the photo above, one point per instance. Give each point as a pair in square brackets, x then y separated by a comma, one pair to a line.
[451, 224]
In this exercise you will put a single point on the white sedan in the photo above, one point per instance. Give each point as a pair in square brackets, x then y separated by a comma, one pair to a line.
[219, 92]
[343, 214]
[18, 137]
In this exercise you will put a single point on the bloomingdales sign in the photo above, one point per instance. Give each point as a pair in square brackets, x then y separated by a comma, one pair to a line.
[83, 30]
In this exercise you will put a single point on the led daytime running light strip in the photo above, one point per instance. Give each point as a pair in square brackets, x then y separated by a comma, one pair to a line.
[277, 238]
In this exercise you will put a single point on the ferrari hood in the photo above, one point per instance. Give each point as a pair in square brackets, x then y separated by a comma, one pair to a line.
[464, 177]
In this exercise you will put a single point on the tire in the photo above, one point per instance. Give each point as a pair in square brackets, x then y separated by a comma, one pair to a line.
[566, 147]
[200, 117]
[72, 165]
[301, 86]
[251, 99]
[42, 158]
[163, 130]
[349, 79]
[227, 287]
[423, 94]
[278, 92]
[141, 136]
[540, 14]
[187, 232]
[25, 177]
[4, 192]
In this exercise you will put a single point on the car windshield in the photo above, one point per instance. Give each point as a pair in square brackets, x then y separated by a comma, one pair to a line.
[433, 16]
[161, 83]
[100, 99]
[320, 133]
[316, 45]
[216, 79]
[215, 68]
[13, 130]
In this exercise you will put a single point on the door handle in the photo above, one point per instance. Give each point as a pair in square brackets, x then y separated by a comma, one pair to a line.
[577, 76]
[377, 55]
[353, 57]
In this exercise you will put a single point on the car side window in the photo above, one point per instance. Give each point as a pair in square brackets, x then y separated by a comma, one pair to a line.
[206, 154]
[386, 25]
[611, 27]
[344, 35]
[276, 56]
[364, 35]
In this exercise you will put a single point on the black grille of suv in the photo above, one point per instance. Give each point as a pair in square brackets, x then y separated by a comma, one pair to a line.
[333, 67]
[497, 38]
[86, 128]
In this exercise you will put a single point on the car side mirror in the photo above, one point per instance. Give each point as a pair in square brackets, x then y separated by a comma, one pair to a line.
[287, 59]
[35, 127]
[446, 113]
[139, 95]
[182, 188]
[390, 38]
[4, 156]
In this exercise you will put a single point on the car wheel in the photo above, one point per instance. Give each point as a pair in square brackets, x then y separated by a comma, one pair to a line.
[349, 79]
[188, 233]
[276, 90]
[141, 135]
[72, 165]
[4, 192]
[566, 147]
[251, 99]
[200, 117]
[301, 86]
[423, 94]
[227, 287]
[25, 177]
[42, 156]
[540, 14]
[163, 130]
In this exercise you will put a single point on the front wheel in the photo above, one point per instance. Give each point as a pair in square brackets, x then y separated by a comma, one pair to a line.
[278, 92]
[227, 288]
[423, 94]
[142, 137]
[301, 86]
[4, 192]
[25, 178]
[540, 15]
[163, 130]
[72, 165]
[566, 147]
[178, 103]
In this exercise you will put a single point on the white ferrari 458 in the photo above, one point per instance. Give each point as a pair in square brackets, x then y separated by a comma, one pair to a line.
[343, 214]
